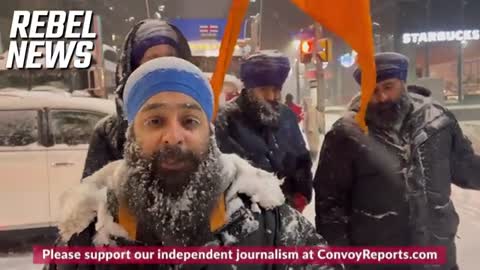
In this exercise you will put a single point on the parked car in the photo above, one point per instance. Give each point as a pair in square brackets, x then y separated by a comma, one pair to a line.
[43, 144]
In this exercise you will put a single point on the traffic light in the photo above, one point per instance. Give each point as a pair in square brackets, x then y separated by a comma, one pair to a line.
[306, 51]
[325, 53]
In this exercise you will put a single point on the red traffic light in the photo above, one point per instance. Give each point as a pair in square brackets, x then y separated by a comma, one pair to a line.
[306, 46]
[306, 51]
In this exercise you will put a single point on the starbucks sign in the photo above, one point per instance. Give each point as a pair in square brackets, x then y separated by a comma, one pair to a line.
[441, 36]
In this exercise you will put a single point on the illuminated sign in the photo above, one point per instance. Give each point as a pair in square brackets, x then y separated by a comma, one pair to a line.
[201, 29]
[204, 46]
[347, 60]
[211, 48]
[442, 36]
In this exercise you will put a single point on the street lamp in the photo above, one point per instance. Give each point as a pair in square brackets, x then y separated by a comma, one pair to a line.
[246, 24]
[147, 7]
[377, 37]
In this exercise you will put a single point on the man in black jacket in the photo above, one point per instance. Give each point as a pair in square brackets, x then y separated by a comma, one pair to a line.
[392, 187]
[174, 187]
[265, 132]
[147, 40]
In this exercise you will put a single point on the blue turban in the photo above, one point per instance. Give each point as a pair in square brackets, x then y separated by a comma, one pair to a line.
[389, 65]
[166, 74]
[152, 33]
[267, 68]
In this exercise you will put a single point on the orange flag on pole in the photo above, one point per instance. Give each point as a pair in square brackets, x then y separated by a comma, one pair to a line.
[351, 21]
[238, 10]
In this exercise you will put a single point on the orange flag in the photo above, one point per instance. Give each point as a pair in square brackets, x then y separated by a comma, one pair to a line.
[350, 20]
[238, 10]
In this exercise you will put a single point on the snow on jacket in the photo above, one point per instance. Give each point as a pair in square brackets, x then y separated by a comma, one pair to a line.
[257, 216]
[106, 143]
[279, 150]
[378, 191]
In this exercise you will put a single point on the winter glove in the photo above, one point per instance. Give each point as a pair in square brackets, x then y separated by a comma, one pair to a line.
[299, 202]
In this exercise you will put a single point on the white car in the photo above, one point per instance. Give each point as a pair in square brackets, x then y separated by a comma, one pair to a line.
[44, 140]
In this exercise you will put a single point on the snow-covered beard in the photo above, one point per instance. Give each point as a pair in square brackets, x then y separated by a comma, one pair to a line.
[176, 218]
[266, 112]
[388, 115]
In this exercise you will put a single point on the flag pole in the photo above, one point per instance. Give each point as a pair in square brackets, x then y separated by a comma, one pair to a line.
[320, 77]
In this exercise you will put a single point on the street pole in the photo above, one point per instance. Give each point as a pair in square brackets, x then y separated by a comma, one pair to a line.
[260, 25]
[245, 28]
[427, 46]
[460, 72]
[297, 75]
[254, 33]
[320, 78]
[461, 56]
[147, 7]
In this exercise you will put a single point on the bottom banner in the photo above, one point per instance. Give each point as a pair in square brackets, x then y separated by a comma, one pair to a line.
[240, 255]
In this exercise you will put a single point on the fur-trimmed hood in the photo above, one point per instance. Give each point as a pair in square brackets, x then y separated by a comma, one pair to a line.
[88, 200]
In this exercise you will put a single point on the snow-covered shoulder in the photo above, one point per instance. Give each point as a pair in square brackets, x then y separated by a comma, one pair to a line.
[87, 200]
[262, 187]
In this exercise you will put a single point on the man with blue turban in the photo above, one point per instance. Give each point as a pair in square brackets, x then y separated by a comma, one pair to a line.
[174, 187]
[147, 40]
[257, 127]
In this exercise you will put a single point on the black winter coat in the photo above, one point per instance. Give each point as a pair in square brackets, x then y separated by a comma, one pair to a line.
[280, 150]
[271, 231]
[107, 141]
[386, 190]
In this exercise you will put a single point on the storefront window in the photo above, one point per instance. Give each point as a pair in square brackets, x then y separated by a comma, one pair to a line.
[471, 72]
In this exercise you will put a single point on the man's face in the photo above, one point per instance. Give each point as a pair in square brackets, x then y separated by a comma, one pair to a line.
[157, 52]
[174, 175]
[278, 97]
[389, 103]
[264, 103]
[172, 128]
[388, 91]
[267, 93]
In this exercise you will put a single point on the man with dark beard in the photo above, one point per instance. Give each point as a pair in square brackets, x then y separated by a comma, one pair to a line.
[174, 187]
[257, 127]
[392, 187]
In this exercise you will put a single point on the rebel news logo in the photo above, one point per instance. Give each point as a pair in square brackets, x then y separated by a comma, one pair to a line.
[51, 39]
